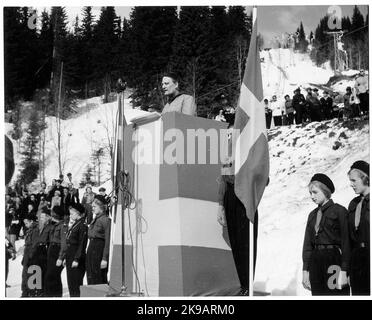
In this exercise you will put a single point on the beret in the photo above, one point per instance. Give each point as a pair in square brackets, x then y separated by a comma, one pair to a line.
[320, 177]
[362, 166]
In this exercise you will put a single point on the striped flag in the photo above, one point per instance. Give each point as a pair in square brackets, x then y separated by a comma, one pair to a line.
[251, 146]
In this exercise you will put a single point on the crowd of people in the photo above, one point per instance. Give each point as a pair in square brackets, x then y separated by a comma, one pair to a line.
[313, 107]
[59, 230]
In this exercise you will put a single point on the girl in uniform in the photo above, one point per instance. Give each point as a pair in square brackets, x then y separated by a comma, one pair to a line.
[359, 229]
[326, 248]
[99, 243]
[53, 283]
[76, 242]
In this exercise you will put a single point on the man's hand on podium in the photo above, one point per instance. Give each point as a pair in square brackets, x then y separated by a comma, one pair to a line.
[103, 264]
[221, 217]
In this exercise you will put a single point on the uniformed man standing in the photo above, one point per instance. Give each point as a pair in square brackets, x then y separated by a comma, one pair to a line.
[177, 101]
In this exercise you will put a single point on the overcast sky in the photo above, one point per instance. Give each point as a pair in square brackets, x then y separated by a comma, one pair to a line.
[272, 20]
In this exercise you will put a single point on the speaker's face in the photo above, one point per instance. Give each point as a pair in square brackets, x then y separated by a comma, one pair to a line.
[169, 86]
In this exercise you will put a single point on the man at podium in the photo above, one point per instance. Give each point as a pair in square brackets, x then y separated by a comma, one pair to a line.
[176, 101]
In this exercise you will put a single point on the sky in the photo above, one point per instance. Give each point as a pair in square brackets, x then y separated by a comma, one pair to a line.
[272, 20]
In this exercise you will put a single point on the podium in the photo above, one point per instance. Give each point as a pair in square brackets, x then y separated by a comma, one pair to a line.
[174, 245]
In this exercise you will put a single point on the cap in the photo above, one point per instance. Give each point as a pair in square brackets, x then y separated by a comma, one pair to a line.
[100, 198]
[320, 177]
[101, 189]
[362, 166]
[57, 212]
[30, 216]
[45, 210]
[78, 207]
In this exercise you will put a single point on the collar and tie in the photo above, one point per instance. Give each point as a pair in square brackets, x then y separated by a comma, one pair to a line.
[358, 211]
[318, 219]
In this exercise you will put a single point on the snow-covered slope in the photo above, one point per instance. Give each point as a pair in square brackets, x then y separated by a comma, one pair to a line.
[283, 72]
[81, 135]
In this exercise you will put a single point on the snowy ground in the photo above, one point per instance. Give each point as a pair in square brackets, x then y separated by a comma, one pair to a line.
[296, 154]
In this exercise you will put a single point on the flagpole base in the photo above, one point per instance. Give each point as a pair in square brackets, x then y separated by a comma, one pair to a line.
[124, 293]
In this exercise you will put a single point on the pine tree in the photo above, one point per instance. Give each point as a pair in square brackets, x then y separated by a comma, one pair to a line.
[323, 44]
[20, 53]
[105, 49]
[358, 39]
[45, 42]
[193, 54]
[240, 29]
[148, 40]
[302, 42]
[87, 45]
[58, 23]
[30, 155]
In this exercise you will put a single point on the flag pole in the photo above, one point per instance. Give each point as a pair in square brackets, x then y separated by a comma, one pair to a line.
[251, 224]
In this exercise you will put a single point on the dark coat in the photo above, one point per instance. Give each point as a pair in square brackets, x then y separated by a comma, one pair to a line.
[27, 252]
[362, 234]
[333, 230]
[100, 228]
[76, 241]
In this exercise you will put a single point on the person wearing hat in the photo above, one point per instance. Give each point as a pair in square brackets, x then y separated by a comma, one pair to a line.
[298, 103]
[326, 247]
[102, 192]
[327, 105]
[74, 249]
[53, 283]
[40, 244]
[347, 105]
[177, 101]
[268, 113]
[30, 224]
[359, 229]
[313, 105]
[99, 243]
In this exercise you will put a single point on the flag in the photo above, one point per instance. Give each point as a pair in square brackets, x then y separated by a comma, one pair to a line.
[251, 161]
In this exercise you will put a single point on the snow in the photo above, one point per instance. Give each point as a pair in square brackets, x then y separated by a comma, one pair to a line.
[296, 153]
[80, 136]
[281, 75]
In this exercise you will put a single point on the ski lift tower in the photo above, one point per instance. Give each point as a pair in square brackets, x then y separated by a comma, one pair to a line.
[337, 34]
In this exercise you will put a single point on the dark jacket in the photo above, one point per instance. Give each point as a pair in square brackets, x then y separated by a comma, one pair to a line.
[27, 252]
[76, 239]
[41, 236]
[362, 233]
[58, 236]
[100, 229]
[72, 198]
[333, 230]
